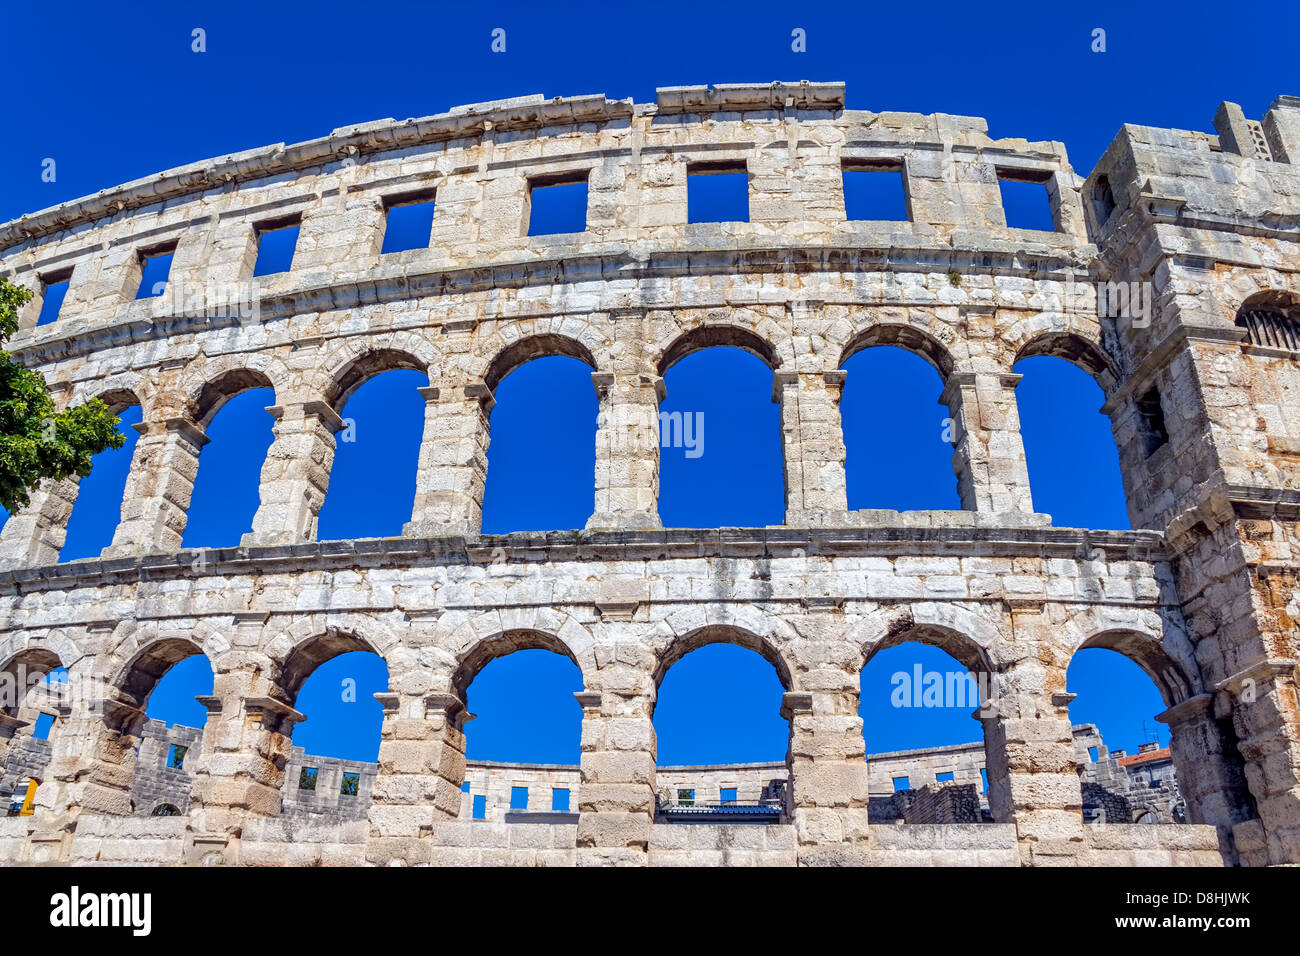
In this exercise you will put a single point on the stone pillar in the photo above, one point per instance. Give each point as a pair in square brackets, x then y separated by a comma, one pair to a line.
[296, 474]
[1029, 748]
[1266, 714]
[246, 746]
[812, 437]
[1210, 776]
[627, 451]
[828, 769]
[421, 768]
[158, 488]
[989, 457]
[616, 795]
[453, 461]
[35, 534]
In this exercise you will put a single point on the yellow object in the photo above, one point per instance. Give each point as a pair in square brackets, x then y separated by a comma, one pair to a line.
[27, 809]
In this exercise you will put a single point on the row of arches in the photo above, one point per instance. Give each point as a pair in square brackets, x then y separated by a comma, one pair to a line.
[719, 692]
[720, 460]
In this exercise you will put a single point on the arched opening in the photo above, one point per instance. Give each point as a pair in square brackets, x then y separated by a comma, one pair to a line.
[720, 455]
[163, 680]
[542, 453]
[522, 747]
[332, 681]
[232, 412]
[372, 479]
[721, 739]
[1271, 319]
[897, 434]
[98, 508]
[1070, 450]
[1126, 769]
[921, 691]
[165, 810]
[33, 689]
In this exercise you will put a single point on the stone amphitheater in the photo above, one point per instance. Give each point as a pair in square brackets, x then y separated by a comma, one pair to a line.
[1172, 275]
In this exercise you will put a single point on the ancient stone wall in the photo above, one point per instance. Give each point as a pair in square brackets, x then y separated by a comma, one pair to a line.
[1201, 596]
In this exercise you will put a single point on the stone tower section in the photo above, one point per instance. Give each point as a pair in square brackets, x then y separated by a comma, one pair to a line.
[1201, 233]
[1170, 275]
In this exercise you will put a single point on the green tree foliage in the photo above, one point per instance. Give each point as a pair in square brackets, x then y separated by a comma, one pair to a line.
[36, 441]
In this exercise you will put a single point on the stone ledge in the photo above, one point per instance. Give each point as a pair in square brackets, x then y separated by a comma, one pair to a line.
[598, 546]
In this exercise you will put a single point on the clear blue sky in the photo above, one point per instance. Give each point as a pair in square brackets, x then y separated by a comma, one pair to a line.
[113, 94]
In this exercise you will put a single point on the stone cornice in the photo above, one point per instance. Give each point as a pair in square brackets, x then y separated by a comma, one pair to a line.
[564, 264]
[597, 546]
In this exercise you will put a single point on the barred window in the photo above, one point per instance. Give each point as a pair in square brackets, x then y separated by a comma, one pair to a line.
[1270, 327]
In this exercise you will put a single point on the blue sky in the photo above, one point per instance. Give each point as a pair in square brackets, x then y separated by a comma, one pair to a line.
[112, 94]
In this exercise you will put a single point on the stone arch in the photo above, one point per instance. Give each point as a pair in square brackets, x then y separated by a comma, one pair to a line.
[745, 626]
[477, 642]
[537, 345]
[1080, 350]
[966, 636]
[1157, 643]
[708, 336]
[905, 336]
[351, 366]
[1148, 652]
[119, 392]
[297, 653]
[136, 678]
[55, 646]
[209, 398]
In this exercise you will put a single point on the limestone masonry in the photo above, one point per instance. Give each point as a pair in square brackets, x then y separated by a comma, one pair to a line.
[1172, 275]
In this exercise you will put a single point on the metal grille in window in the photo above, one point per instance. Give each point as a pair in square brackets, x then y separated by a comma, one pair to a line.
[1270, 328]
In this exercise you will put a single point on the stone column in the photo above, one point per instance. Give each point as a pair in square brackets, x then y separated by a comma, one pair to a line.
[627, 451]
[35, 534]
[296, 474]
[989, 456]
[247, 742]
[812, 436]
[421, 768]
[828, 768]
[158, 488]
[453, 461]
[1263, 698]
[1210, 776]
[616, 795]
[1032, 769]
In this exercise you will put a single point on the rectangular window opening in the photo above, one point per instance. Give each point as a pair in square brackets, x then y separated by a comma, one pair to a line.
[54, 288]
[902, 783]
[875, 191]
[44, 724]
[518, 798]
[464, 787]
[176, 756]
[557, 205]
[480, 807]
[686, 798]
[560, 799]
[307, 779]
[276, 242]
[984, 779]
[943, 777]
[1025, 202]
[1092, 754]
[1154, 433]
[717, 192]
[155, 269]
[727, 795]
[351, 781]
[408, 222]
